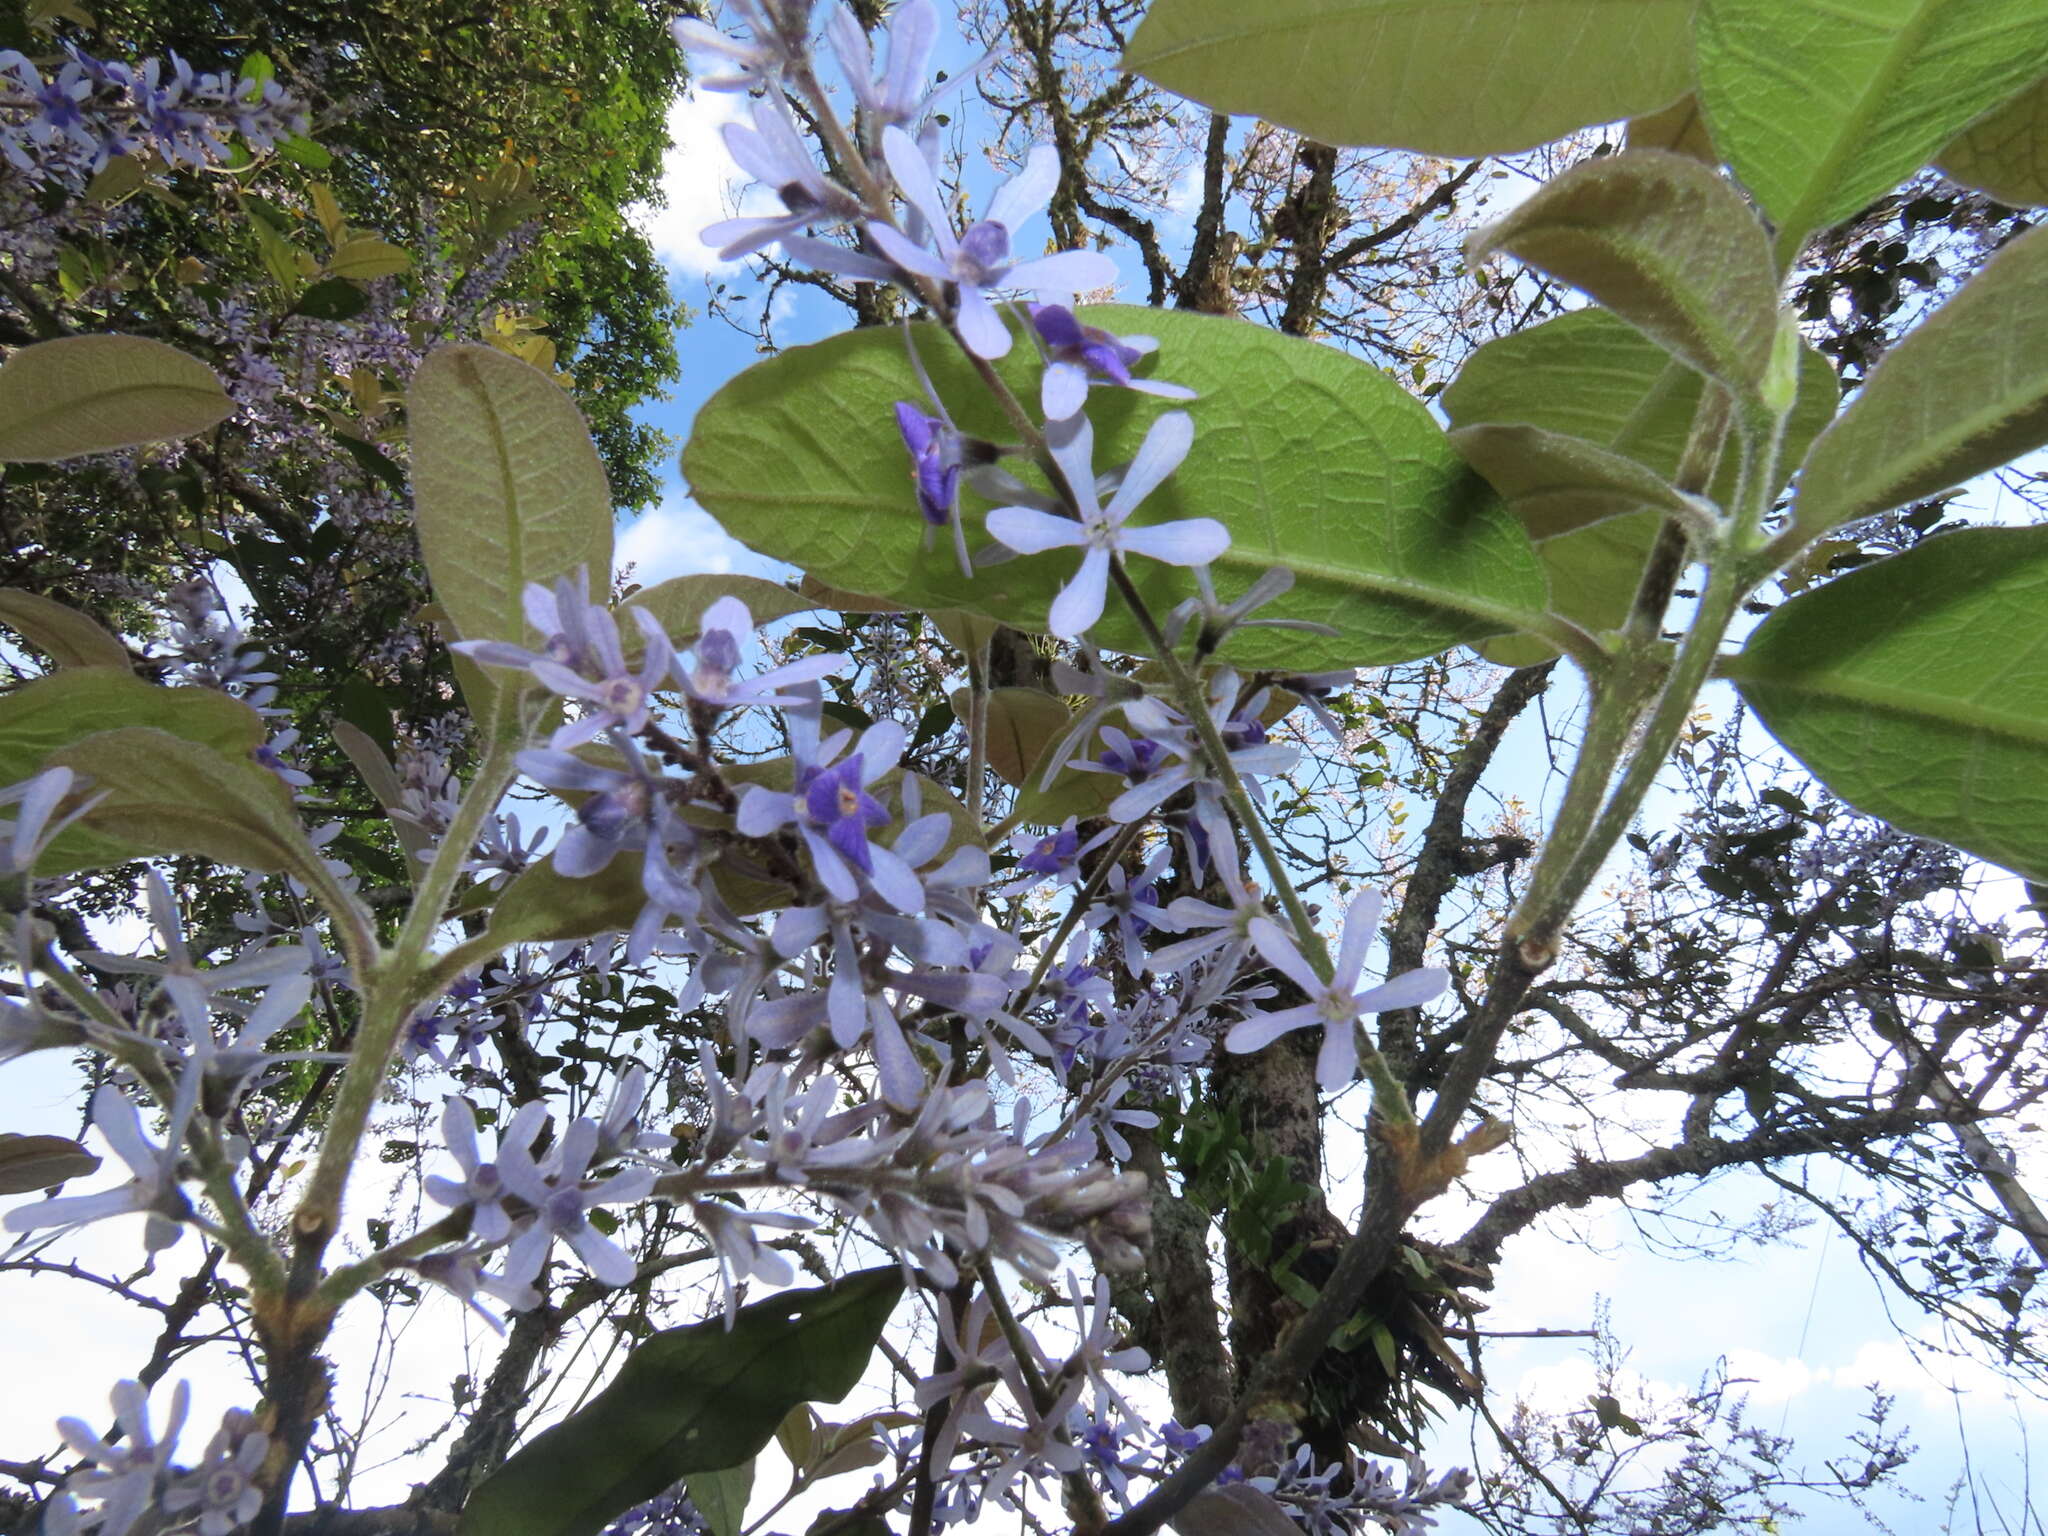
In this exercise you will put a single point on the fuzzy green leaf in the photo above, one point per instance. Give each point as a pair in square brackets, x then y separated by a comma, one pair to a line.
[41, 718]
[162, 794]
[1447, 77]
[1821, 107]
[2005, 152]
[1313, 459]
[507, 486]
[1556, 484]
[1662, 241]
[697, 1399]
[66, 636]
[1917, 690]
[93, 394]
[1964, 392]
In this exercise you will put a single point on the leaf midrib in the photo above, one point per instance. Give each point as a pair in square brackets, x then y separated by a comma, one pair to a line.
[101, 397]
[1941, 710]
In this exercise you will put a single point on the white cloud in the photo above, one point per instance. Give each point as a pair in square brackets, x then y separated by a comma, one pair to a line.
[1769, 1379]
[699, 184]
[679, 538]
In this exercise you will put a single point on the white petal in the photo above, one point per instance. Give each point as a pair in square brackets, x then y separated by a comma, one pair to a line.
[905, 252]
[1031, 532]
[1027, 192]
[1361, 927]
[1159, 456]
[1277, 945]
[1079, 604]
[981, 328]
[1189, 541]
[1073, 448]
[1262, 1029]
[920, 189]
[1068, 271]
[1337, 1061]
[1063, 391]
[1410, 989]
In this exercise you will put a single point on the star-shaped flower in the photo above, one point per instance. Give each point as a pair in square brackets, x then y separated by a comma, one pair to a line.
[1336, 1004]
[1100, 531]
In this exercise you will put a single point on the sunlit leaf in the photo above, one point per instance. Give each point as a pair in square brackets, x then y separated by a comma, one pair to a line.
[1821, 107]
[1315, 461]
[507, 487]
[1450, 77]
[1963, 392]
[92, 394]
[1917, 690]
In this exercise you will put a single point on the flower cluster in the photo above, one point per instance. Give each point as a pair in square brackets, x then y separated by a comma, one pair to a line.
[70, 123]
[130, 1474]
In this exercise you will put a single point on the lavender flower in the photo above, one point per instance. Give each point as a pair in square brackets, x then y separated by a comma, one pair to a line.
[1077, 355]
[1100, 531]
[775, 155]
[897, 98]
[125, 1471]
[1338, 1003]
[834, 812]
[222, 1489]
[153, 1191]
[483, 1188]
[561, 1203]
[979, 260]
[935, 459]
[725, 626]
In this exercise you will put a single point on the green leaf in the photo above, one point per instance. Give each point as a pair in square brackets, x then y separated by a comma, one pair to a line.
[63, 634]
[1022, 723]
[301, 150]
[121, 177]
[507, 487]
[1556, 484]
[1594, 573]
[679, 603]
[1964, 392]
[1315, 461]
[30, 1163]
[161, 794]
[1590, 376]
[42, 718]
[1447, 77]
[1821, 107]
[332, 298]
[721, 1497]
[1071, 792]
[540, 906]
[2005, 152]
[365, 256]
[696, 1399]
[93, 394]
[1663, 242]
[1917, 690]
